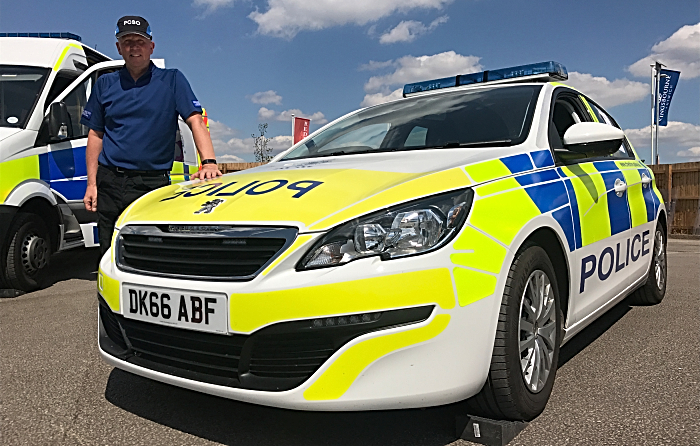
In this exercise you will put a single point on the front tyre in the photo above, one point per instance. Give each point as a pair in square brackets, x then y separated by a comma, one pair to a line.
[28, 253]
[654, 289]
[526, 349]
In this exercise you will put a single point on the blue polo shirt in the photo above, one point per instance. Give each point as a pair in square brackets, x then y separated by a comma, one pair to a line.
[139, 119]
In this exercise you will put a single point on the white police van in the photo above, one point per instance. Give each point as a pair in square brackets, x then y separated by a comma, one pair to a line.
[45, 81]
[420, 252]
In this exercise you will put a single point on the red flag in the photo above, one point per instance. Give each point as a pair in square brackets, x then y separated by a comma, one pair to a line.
[301, 129]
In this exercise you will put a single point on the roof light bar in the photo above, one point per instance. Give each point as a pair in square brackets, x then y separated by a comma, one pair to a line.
[543, 71]
[45, 35]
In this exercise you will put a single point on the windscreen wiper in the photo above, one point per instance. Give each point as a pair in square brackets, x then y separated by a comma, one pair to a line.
[454, 145]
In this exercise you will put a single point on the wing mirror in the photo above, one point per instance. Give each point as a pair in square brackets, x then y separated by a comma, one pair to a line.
[60, 126]
[593, 138]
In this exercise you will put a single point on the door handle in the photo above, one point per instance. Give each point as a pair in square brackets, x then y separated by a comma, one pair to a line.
[646, 180]
[620, 187]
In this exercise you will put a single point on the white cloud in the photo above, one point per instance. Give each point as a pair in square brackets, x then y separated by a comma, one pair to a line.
[679, 52]
[266, 97]
[380, 98]
[608, 93]
[265, 114]
[229, 159]
[693, 152]
[373, 65]
[413, 69]
[676, 134]
[286, 18]
[210, 5]
[409, 30]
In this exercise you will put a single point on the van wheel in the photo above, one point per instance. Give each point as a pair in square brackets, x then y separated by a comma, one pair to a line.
[526, 349]
[28, 253]
[654, 289]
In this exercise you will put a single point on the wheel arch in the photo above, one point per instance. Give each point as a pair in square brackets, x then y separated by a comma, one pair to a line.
[548, 239]
[49, 213]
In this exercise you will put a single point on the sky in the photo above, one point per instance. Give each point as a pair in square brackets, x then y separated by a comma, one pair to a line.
[258, 61]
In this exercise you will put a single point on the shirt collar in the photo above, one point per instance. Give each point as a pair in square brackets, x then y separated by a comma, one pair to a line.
[143, 80]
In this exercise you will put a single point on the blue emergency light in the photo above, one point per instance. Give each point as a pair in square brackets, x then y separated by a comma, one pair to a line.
[45, 35]
[537, 71]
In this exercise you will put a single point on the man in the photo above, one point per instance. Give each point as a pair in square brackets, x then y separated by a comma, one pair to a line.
[132, 116]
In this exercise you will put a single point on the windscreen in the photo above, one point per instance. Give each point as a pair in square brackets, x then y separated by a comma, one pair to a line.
[477, 118]
[20, 88]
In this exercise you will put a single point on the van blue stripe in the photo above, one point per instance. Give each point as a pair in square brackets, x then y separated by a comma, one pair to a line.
[650, 198]
[618, 208]
[518, 163]
[548, 196]
[537, 177]
[606, 166]
[79, 161]
[73, 190]
[563, 217]
[542, 158]
[44, 167]
[574, 211]
[61, 164]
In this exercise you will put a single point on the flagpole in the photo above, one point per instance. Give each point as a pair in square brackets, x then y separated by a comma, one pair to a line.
[292, 128]
[653, 108]
[656, 113]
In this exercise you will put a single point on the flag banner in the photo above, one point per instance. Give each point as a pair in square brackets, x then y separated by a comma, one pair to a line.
[667, 85]
[301, 129]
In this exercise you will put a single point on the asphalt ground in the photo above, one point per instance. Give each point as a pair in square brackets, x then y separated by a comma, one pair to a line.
[631, 378]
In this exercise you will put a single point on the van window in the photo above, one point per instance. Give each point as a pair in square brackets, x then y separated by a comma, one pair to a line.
[20, 88]
[75, 102]
[62, 80]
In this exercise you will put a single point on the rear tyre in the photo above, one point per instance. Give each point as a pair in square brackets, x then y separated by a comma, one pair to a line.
[28, 253]
[654, 289]
[526, 349]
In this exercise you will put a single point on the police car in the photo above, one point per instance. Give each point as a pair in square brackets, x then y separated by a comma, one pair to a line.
[45, 81]
[428, 250]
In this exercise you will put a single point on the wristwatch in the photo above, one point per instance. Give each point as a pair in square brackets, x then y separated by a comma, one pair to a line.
[208, 161]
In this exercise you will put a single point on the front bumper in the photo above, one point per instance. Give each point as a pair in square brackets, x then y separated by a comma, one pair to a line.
[417, 363]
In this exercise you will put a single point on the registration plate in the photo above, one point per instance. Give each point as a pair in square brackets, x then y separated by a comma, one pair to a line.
[177, 308]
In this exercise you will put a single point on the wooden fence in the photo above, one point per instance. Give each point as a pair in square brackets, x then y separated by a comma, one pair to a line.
[682, 205]
[683, 201]
[235, 167]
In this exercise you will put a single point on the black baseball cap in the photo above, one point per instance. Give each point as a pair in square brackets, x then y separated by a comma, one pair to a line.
[133, 24]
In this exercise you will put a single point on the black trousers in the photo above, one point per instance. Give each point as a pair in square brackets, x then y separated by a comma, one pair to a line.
[115, 192]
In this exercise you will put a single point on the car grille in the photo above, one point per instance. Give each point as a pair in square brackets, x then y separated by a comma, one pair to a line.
[275, 358]
[223, 253]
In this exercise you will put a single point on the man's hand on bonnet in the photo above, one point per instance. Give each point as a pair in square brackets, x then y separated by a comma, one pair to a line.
[207, 172]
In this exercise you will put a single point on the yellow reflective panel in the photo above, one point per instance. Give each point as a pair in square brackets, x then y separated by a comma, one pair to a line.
[503, 215]
[635, 196]
[251, 311]
[109, 290]
[473, 285]
[656, 190]
[16, 171]
[338, 378]
[487, 255]
[297, 243]
[304, 195]
[429, 184]
[487, 170]
[559, 84]
[590, 110]
[58, 63]
[177, 173]
[498, 186]
[592, 199]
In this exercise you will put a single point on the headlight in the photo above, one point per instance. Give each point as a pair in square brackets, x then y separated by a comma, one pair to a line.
[404, 230]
